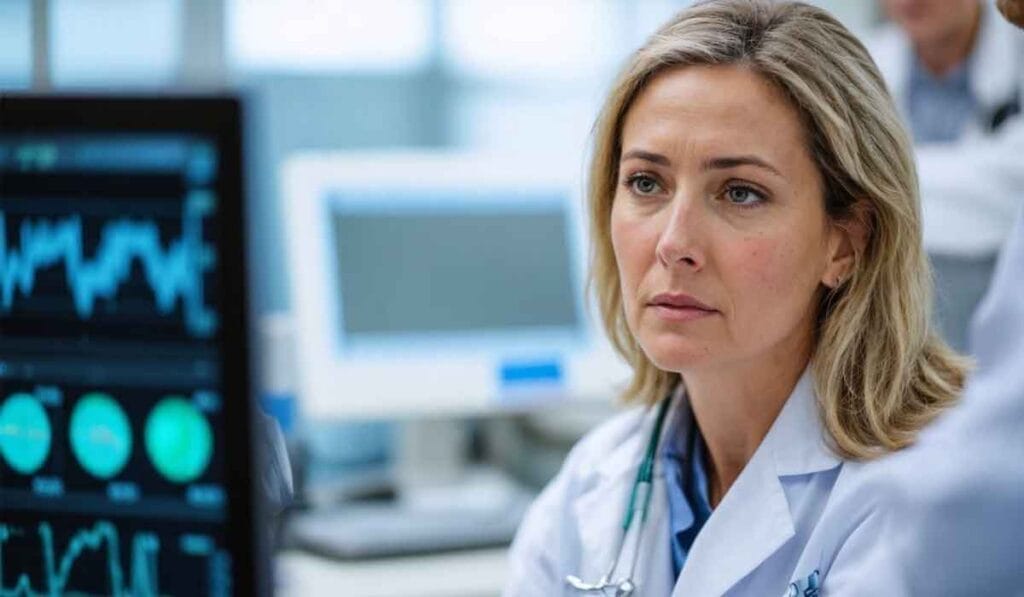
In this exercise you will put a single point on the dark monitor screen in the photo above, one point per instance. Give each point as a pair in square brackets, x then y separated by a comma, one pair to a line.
[450, 271]
[124, 448]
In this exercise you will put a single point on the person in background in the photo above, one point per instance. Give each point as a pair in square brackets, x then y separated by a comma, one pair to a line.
[956, 71]
[956, 522]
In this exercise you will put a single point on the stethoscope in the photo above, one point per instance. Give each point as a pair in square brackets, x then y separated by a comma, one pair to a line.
[639, 503]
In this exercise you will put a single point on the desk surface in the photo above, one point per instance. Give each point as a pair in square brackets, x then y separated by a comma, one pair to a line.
[478, 573]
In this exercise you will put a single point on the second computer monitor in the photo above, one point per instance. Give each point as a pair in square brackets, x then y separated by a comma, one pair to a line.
[437, 283]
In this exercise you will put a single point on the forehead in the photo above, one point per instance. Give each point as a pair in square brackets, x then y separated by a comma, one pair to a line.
[715, 108]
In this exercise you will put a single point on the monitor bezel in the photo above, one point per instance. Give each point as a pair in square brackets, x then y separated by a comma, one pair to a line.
[219, 117]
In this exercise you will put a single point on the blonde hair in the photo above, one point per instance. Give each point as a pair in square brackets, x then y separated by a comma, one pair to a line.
[881, 373]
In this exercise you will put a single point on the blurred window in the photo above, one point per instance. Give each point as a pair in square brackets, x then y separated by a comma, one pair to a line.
[528, 76]
[532, 38]
[15, 44]
[547, 120]
[106, 42]
[651, 15]
[324, 35]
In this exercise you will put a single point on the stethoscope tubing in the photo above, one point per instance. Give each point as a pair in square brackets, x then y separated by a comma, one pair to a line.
[639, 504]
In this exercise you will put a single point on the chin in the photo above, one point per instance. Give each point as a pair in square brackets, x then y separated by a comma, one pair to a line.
[676, 354]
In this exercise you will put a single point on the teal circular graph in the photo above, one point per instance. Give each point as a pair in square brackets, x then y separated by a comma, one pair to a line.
[101, 436]
[179, 440]
[25, 433]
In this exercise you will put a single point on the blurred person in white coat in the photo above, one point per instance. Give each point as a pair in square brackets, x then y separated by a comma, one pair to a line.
[757, 259]
[956, 524]
[956, 71]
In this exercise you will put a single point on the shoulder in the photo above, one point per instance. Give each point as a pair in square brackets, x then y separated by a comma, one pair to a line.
[584, 463]
[546, 533]
[598, 444]
[857, 495]
[860, 510]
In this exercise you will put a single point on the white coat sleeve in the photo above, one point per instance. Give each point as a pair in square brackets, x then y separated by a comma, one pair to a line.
[971, 190]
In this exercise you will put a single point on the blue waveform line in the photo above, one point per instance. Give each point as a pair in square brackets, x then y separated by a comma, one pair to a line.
[145, 547]
[172, 273]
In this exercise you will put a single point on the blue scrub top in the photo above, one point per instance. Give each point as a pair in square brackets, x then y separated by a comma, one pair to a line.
[939, 108]
[687, 484]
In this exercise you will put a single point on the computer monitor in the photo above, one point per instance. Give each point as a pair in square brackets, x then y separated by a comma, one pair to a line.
[125, 460]
[428, 283]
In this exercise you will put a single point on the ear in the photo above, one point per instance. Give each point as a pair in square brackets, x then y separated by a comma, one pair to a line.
[847, 240]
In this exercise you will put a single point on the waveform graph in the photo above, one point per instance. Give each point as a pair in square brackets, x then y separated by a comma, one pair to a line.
[123, 558]
[25, 433]
[145, 264]
[58, 563]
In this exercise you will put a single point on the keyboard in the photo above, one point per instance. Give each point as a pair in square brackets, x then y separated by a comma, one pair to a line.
[374, 530]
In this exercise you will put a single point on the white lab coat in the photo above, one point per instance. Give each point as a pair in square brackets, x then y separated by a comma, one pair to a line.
[971, 189]
[794, 509]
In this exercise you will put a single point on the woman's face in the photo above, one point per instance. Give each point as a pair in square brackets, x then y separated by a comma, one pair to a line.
[718, 223]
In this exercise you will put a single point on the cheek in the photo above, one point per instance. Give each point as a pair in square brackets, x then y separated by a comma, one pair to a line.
[624, 245]
[770, 275]
[634, 253]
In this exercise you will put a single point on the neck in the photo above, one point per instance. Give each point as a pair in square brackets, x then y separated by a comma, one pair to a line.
[735, 406]
[942, 54]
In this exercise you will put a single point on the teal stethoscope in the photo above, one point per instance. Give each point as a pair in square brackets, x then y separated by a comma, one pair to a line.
[639, 503]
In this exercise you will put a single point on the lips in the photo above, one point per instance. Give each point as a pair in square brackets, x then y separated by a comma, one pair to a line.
[678, 301]
[678, 307]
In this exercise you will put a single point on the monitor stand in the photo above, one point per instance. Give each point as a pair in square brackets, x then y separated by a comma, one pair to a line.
[442, 503]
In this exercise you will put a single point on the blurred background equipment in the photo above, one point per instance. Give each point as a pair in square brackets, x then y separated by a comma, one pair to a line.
[124, 350]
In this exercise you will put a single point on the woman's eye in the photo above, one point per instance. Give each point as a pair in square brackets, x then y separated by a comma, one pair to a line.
[743, 196]
[643, 184]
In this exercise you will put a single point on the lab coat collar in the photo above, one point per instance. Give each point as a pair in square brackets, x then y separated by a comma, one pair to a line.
[797, 438]
[754, 519]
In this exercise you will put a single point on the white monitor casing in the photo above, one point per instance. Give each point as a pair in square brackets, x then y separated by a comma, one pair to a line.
[458, 376]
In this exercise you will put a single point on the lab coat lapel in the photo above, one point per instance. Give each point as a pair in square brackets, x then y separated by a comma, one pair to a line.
[599, 512]
[996, 60]
[754, 519]
[746, 528]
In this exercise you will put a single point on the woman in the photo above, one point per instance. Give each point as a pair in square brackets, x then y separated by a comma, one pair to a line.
[757, 259]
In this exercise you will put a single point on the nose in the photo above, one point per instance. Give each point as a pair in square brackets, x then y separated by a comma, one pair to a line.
[680, 240]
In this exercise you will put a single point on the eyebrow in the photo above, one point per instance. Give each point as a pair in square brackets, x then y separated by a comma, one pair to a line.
[717, 163]
[647, 156]
[726, 162]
